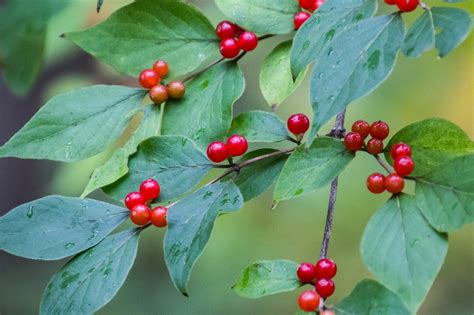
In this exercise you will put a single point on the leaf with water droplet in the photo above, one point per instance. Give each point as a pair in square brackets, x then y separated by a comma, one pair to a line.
[260, 126]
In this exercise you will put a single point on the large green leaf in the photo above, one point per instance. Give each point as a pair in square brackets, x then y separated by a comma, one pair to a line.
[76, 125]
[205, 113]
[261, 16]
[174, 161]
[55, 227]
[138, 34]
[276, 80]
[312, 168]
[327, 22]
[349, 69]
[433, 142]
[267, 277]
[401, 248]
[370, 297]
[446, 194]
[190, 223]
[91, 279]
[421, 36]
[117, 165]
[260, 126]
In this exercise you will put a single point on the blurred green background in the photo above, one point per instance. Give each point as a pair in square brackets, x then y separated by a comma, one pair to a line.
[417, 89]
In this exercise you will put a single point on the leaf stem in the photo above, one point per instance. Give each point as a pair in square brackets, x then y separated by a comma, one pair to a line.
[195, 74]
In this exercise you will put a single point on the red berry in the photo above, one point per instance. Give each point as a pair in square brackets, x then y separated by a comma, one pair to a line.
[236, 145]
[375, 146]
[217, 152]
[379, 130]
[327, 312]
[298, 124]
[310, 5]
[353, 141]
[161, 68]
[403, 165]
[325, 268]
[309, 301]
[133, 199]
[394, 183]
[226, 29]
[159, 94]
[176, 89]
[361, 127]
[140, 215]
[300, 18]
[325, 287]
[376, 183]
[247, 41]
[150, 189]
[158, 216]
[391, 2]
[400, 149]
[306, 272]
[148, 78]
[229, 48]
[407, 5]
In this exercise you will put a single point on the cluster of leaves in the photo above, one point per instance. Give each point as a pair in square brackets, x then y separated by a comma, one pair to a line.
[352, 51]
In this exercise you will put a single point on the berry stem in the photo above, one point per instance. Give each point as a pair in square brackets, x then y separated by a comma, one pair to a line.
[195, 74]
[383, 164]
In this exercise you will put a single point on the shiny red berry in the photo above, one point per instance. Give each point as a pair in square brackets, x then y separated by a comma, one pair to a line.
[400, 149]
[217, 152]
[247, 41]
[159, 94]
[236, 145]
[298, 124]
[353, 141]
[325, 287]
[158, 216]
[309, 301]
[376, 183]
[176, 89]
[391, 2]
[140, 215]
[226, 29]
[161, 68]
[407, 5]
[325, 268]
[229, 48]
[310, 5]
[148, 78]
[133, 199]
[375, 146]
[306, 272]
[361, 127]
[300, 18]
[150, 189]
[394, 183]
[379, 130]
[404, 165]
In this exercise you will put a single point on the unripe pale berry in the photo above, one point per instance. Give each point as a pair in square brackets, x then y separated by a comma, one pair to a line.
[300, 18]
[404, 165]
[394, 183]
[400, 149]
[133, 199]
[140, 215]
[247, 41]
[298, 124]
[148, 78]
[379, 130]
[229, 48]
[309, 301]
[325, 268]
[176, 89]
[217, 152]
[161, 68]
[407, 5]
[375, 146]
[353, 141]
[226, 29]
[306, 272]
[236, 145]
[376, 183]
[325, 287]
[361, 127]
[150, 189]
[327, 312]
[158, 216]
[159, 94]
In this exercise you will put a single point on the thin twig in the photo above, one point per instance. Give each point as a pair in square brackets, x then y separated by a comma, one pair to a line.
[193, 75]
[383, 164]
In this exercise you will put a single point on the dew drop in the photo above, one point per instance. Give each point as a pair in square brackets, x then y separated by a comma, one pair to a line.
[69, 245]
[29, 213]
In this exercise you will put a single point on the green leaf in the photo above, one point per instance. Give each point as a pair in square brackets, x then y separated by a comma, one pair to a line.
[370, 297]
[349, 69]
[312, 168]
[401, 248]
[55, 227]
[327, 22]
[261, 16]
[267, 277]
[433, 141]
[256, 178]
[260, 126]
[174, 161]
[132, 38]
[205, 113]
[446, 194]
[276, 80]
[190, 224]
[76, 125]
[91, 279]
[117, 165]
[421, 36]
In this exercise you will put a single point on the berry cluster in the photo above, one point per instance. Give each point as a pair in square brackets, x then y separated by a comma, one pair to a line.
[404, 5]
[379, 131]
[234, 39]
[218, 151]
[320, 275]
[138, 204]
[159, 93]
[303, 16]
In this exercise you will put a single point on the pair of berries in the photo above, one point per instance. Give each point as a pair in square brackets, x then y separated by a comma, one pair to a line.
[218, 151]
[354, 140]
[303, 16]
[159, 93]
[298, 124]
[404, 5]
[234, 39]
[140, 212]
[320, 275]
